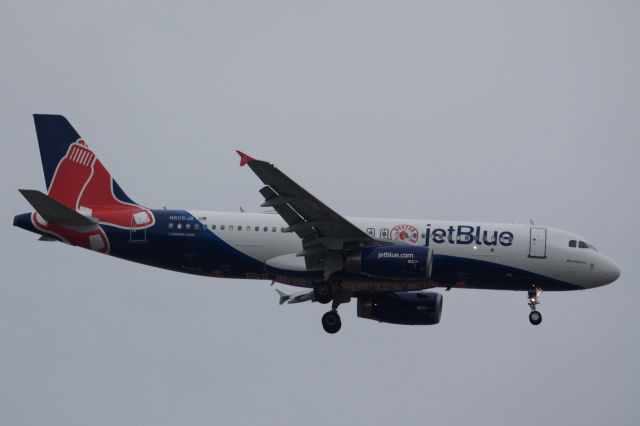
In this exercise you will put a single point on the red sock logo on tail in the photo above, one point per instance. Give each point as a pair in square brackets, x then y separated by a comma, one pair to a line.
[99, 199]
[81, 182]
[72, 174]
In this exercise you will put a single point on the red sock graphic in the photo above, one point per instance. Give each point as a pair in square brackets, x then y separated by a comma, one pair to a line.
[82, 183]
[72, 174]
[99, 197]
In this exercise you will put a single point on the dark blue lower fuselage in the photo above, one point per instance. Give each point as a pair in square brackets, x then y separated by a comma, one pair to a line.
[202, 252]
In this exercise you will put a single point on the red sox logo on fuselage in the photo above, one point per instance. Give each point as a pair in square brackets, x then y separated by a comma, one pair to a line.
[406, 233]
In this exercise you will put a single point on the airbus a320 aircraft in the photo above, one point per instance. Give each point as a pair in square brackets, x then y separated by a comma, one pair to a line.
[386, 264]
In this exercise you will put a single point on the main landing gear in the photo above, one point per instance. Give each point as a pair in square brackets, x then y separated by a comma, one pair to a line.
[331, 322]
[325, 293]
[535, 317]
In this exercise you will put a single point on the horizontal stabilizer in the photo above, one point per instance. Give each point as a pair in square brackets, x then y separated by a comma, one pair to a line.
[55, 212]
[283, 296]
[299, 297]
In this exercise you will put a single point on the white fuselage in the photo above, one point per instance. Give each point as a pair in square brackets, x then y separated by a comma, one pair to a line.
[536, 249]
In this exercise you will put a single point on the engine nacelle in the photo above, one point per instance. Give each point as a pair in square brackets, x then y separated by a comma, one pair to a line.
[410, 308]
[391, 262]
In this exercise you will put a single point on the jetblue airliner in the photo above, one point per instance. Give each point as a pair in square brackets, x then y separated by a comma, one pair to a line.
[385, 264]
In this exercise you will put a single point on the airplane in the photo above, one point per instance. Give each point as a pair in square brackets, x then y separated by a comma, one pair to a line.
[387, 265]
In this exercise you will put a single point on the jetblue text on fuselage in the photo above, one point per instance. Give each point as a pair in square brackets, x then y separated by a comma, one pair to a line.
[466, 234]
[388, 254]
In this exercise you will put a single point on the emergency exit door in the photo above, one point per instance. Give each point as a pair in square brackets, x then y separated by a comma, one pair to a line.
[538, 242]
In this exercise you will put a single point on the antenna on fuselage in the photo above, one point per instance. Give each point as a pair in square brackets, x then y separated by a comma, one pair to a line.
[531, 222]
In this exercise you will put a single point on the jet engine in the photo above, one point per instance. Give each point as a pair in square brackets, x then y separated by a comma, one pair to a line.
[410, 308]
[391, 262]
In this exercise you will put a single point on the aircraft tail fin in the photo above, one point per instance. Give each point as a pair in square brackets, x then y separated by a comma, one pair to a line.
[73, 174]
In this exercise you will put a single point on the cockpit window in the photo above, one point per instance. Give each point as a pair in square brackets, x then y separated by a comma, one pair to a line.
[581, 244]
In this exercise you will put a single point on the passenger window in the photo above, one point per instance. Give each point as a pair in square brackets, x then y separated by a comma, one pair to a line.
[239, 227]
[282, 229]
[582, 244]
[179, 226]
[171, 226]
[273, 229]
[384, 233]
[371, 231]
[213, 227]
[230, 227]
[572, 243]
[196, 226]
[266, 229]
[222, 227]
[257, 228]
[188, 226]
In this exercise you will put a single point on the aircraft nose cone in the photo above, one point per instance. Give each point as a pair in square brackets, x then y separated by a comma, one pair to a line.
[611, 271]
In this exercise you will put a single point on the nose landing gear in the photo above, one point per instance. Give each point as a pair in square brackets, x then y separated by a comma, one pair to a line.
[535, 317]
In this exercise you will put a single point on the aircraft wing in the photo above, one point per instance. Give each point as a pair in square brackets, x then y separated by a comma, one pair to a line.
[324, 233]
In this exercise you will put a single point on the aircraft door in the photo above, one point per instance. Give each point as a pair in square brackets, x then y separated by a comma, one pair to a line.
[538, 242]
[138, 218]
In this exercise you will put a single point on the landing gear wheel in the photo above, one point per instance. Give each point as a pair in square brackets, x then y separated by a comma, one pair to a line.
[533, 294]
[535, 317]
[331, 322]
[323, 293]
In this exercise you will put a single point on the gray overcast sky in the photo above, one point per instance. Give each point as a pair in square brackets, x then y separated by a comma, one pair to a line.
[490, 111]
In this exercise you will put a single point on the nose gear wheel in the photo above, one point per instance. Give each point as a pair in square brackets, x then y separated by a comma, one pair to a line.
[533, 294]
[535, 317]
